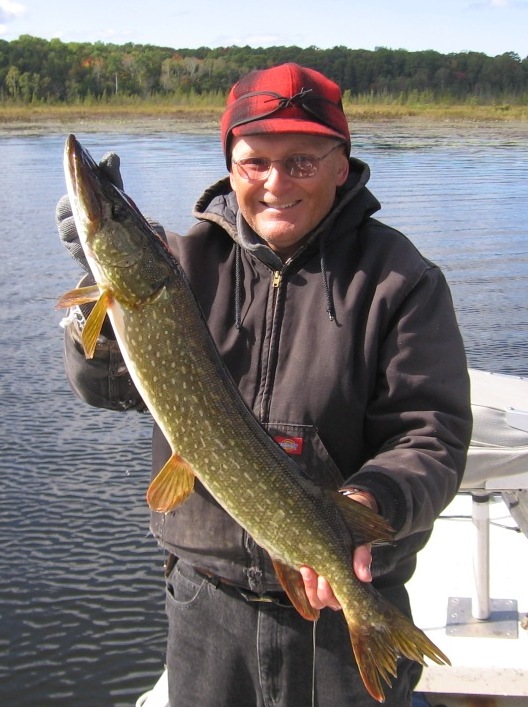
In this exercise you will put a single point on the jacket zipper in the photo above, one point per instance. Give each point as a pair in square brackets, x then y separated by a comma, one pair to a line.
[254, 571]
[276, 281]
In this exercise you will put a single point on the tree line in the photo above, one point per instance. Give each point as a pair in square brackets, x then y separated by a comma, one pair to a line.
[51, 71]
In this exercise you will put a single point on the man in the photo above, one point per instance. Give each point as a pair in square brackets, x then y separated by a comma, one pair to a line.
[342, 339]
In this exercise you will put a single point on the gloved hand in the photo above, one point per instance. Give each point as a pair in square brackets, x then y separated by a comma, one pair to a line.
[109, 164]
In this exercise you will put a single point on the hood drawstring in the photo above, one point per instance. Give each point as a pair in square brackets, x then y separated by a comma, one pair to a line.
[238, 295]
[238, 285]
[328, 292]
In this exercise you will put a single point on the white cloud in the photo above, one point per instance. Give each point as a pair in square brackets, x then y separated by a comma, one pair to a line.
[480, 5]
[512, 4]
[9, 11]
[252, 40]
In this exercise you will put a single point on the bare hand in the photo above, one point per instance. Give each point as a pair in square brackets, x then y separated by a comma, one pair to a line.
[319, 591]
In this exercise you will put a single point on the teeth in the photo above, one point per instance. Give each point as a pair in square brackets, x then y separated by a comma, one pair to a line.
[280, 206]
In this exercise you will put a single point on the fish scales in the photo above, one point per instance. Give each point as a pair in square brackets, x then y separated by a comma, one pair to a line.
[201, 384]
[176, 367]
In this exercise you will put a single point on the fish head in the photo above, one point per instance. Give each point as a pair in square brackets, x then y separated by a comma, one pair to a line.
[125, 254]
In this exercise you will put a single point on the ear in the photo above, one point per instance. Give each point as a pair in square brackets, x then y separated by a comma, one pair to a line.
[343, 168]
[232, 180]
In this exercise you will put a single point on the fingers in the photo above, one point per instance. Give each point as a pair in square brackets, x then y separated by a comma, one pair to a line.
[68, 231]
[362, 554]
[361, 563]
[110, 164]
[63, 209]
[318, 591]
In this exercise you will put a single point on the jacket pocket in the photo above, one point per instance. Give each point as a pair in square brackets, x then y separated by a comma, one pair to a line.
[306, 448]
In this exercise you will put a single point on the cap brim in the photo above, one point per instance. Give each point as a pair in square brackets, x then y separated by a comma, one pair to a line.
[278, 126]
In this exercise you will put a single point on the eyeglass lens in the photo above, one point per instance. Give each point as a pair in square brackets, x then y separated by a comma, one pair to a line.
[298, 166]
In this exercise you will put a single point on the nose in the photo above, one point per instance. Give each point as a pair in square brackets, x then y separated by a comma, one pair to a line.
[277, 174]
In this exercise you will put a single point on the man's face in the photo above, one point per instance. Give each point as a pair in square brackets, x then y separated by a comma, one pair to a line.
[281, 209]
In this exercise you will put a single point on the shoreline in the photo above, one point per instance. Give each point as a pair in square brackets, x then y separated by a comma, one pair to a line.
[207, 123]
[133, 124]
[35, 122]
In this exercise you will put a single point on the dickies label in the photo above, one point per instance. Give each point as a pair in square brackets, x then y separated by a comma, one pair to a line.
[291, 445]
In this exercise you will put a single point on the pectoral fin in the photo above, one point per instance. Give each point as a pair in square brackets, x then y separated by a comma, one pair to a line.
[173, 484]
[94, 323]
[80, 295]
[293, 584]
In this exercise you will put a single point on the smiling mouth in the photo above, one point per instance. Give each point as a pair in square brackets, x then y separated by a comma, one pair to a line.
[280, 207]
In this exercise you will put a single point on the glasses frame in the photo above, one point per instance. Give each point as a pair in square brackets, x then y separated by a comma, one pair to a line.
[315, 159]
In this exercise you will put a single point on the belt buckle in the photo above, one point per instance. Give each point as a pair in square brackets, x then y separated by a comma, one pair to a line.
[264, 598]
[261, 598]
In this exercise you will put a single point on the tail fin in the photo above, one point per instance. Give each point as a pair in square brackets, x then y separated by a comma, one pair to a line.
[377, 647]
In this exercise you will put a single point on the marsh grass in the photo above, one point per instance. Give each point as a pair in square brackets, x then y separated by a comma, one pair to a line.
[206, 110]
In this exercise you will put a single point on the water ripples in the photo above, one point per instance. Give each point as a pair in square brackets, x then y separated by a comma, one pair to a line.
[81, 589]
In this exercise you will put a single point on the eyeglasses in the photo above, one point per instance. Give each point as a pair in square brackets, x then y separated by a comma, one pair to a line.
[297, 166]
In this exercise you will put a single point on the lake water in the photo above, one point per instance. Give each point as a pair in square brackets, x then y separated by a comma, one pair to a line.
[81, 589]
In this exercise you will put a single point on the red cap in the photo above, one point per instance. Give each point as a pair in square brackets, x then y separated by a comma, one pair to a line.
[284, 99]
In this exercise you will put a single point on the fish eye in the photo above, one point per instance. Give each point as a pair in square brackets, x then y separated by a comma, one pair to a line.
[119, 212]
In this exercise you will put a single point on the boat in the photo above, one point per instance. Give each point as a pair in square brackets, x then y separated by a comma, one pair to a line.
[470, 589]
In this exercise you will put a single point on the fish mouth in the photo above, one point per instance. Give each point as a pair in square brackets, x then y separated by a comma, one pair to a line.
[84, 187]
[100, 208]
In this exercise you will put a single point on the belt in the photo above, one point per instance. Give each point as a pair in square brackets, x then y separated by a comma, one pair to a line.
[279, 598]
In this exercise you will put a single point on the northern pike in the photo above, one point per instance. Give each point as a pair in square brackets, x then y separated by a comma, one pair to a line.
[214, 437]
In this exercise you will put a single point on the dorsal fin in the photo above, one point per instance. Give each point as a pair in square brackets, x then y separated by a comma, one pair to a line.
[365, 526]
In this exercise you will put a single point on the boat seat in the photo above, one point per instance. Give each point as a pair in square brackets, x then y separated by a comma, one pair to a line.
[497, 463]
[498, 453]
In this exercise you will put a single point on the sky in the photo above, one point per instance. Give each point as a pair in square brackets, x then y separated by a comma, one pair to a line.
[489, 26]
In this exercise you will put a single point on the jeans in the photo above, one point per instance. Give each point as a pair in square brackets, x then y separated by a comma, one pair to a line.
[226, 651]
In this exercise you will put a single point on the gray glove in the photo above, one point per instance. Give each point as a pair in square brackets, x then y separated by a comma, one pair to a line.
[64, 217]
